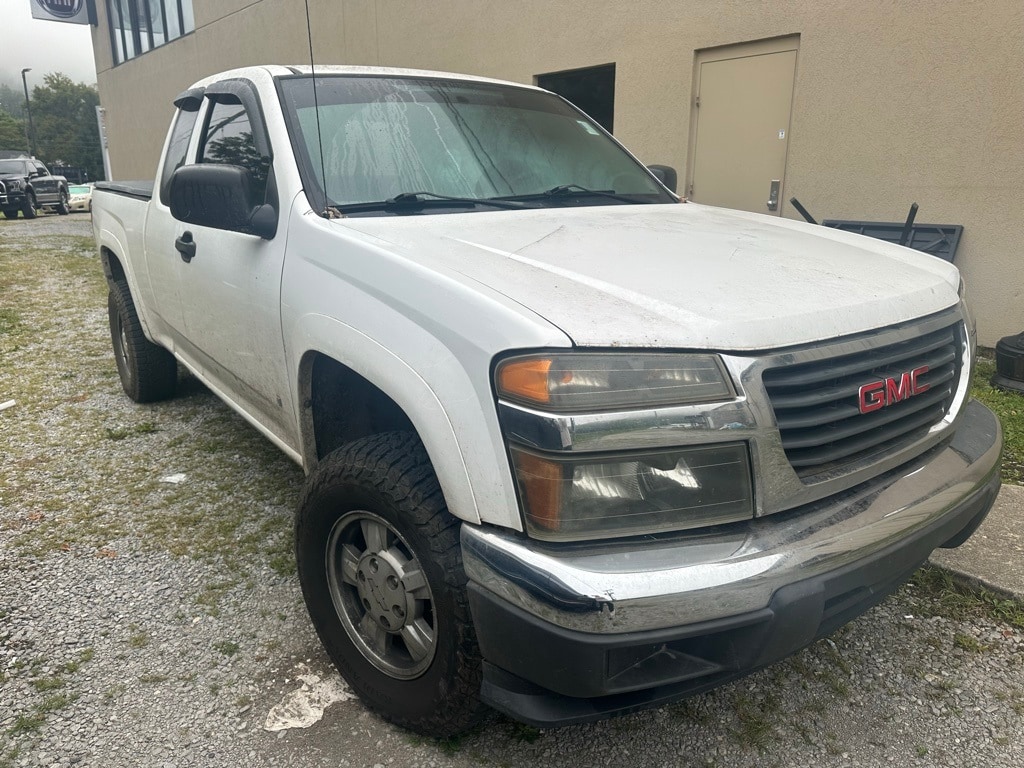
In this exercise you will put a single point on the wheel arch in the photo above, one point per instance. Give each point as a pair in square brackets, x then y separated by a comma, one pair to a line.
[341, 400]
[113, 269]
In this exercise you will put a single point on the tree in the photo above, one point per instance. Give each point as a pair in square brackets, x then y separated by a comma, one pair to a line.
[12, 133]
[12, 101]
[64, 116]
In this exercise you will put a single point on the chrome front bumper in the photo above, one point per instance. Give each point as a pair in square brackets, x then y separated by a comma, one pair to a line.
[636, 585]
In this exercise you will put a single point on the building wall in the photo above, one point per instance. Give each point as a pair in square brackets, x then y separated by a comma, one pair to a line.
[894, 103]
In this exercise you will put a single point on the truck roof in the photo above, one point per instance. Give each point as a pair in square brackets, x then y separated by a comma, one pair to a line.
[280, 70]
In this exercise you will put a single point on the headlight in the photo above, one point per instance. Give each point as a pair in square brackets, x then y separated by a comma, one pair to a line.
[586, 497]
[969, 321]
[576, 381]
[14, 185]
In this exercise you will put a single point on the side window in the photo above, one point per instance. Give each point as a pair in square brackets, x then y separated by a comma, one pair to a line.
[175, 158]
[228, 140]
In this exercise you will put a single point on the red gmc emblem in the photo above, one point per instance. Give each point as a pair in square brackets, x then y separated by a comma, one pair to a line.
[884, 392]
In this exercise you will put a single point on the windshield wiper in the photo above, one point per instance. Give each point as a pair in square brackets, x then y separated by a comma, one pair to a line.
[421, 199]
[571, 190]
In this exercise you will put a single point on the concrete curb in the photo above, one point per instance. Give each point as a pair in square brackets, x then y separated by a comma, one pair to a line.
[994, 556]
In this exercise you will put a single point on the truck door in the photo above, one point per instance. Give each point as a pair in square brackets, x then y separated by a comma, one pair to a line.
[163, 263]
[230, 283]
[43, 183]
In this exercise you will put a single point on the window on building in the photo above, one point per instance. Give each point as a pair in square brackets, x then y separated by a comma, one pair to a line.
[591, 89]
[137, 26]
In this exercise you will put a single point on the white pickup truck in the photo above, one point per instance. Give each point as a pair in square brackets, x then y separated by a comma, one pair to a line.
[573, 448]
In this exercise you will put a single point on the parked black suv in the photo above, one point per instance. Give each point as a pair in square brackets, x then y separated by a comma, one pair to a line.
[26, 186]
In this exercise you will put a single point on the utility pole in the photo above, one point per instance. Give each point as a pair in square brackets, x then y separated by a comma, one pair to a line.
[30, 131]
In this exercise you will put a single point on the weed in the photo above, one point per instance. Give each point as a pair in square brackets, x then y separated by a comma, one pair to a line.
[523, 732]
[227, 647]
[136, 430]
[138, 640]
[451, 745]
[83, 658]
[968, 643]
[921, 750]
[944, 595]
[755, 727]
[27, 723]
[44, 684]
[58, 701]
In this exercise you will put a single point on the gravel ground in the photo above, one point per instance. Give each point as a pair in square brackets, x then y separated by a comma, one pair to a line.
[145, 622]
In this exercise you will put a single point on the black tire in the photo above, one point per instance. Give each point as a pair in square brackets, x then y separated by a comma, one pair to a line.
[148, 371]
[11, 213]
[62, 204]
[29, 208]
[386, 483]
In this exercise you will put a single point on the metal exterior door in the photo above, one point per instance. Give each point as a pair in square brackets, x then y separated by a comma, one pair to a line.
[740, 129]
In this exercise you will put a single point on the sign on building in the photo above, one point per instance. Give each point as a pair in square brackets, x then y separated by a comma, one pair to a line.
[69, 11]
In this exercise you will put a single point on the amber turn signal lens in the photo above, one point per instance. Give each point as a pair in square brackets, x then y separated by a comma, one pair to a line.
[526, 379]
[541, 483]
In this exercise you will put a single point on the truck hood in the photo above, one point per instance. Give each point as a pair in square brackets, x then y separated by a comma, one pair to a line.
[677, 276]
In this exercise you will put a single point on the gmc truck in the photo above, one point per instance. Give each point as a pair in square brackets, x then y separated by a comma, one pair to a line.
[574, 447]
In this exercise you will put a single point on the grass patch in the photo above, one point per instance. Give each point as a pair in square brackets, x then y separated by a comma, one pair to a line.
[1009, 407]
[755, 729]
[968, 643]
[136, 430]
[227, 647]
[943, 595]
[44, 684]
[138, 640]
[523, 732]
[9, 321]
[27, 723]
[58, 701]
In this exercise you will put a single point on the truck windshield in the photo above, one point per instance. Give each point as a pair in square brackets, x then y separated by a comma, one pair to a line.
[13, 166]
[379, 138]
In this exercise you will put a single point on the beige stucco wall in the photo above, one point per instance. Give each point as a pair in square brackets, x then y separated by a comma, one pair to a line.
[894, 102]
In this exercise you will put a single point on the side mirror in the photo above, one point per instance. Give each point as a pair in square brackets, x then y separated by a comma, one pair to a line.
[221, 197]
[666, 174]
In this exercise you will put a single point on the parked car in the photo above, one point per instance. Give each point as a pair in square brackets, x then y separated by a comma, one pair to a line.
[26, 186]
[574, 448]
[81, 197]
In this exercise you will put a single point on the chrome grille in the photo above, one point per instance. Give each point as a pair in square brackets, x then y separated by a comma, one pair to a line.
[816, 403]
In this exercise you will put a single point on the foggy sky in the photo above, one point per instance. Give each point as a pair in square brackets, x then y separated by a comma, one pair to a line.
[45, 46]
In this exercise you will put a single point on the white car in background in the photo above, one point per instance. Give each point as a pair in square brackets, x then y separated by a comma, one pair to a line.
[80, 197]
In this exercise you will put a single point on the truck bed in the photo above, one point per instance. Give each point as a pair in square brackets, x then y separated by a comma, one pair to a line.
[140, 189]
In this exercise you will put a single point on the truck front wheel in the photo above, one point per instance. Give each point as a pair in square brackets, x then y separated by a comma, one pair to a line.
[28, 210]
[148, 371]
[380, 564]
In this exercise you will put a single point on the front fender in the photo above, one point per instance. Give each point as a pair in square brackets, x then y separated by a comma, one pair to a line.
[420, 402]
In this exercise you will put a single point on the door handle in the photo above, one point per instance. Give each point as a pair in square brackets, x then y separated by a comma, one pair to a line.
[773, 195]
[186, 247]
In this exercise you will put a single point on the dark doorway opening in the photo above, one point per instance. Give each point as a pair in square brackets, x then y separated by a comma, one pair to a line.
[592, 89]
